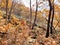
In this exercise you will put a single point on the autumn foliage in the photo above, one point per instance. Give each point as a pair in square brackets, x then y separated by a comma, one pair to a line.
[17, 30]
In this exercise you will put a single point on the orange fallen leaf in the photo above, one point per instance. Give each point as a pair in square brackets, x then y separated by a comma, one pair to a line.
[54, 43]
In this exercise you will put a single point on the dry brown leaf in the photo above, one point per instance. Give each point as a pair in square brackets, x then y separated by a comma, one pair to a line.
[54, 43]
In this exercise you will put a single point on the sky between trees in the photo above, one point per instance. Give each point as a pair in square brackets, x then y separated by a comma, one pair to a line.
[41, 6]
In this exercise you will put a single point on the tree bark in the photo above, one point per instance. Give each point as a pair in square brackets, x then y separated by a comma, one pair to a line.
[9, 16]
[52, 18]
[47, 33]
[35, 15]
[10, 12]
[6, 9]
[30, 14]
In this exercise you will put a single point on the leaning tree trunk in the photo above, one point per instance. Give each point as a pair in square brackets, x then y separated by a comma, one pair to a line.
[47, 33]
[35, 15]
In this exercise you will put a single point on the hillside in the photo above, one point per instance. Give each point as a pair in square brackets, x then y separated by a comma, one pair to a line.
[22, 25]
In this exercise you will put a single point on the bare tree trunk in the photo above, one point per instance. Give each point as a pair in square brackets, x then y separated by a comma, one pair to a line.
[10, 12]
[30, 13]
[52, 18]
[47, 33]
[35, 15]
[9, 16]
[6, 9]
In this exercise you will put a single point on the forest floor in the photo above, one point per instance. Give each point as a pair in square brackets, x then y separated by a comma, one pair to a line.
[17, 32]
